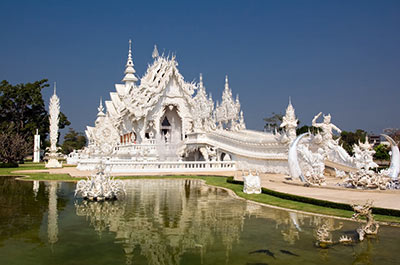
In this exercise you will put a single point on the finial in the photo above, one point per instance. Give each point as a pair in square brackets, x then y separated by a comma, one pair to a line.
[130, 50]
[100, 108]
[55, 88]
[155, 52]
[290, 100]
[201, 81]
[226, 82]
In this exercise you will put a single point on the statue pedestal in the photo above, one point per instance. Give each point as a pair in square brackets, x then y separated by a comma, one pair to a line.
[53, 163]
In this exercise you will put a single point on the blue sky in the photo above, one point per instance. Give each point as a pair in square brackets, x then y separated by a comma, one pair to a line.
[338, 57]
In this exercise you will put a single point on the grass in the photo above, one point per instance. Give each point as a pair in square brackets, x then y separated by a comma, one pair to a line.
[209, 180]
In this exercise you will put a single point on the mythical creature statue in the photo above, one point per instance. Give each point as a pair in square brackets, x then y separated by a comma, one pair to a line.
[365, 177]
[313, 165]
[371, 227]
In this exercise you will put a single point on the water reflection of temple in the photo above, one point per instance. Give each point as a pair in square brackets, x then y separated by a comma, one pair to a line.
[163, 219]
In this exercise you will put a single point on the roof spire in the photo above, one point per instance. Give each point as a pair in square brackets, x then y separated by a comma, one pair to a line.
[155, 52]
[129, 77]
[101, 108]
[55, 88]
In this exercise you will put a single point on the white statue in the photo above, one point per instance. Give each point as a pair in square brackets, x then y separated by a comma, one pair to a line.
[326, 127]
[100, 186]
[313, 165]
[54, 109]
[36, 148]
[333, 150]
[252, 184]
[289, 122]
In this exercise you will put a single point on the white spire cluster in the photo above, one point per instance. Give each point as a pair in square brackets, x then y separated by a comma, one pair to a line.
[228, 112]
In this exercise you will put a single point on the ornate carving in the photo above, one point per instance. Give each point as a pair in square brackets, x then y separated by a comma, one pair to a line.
[54, 109]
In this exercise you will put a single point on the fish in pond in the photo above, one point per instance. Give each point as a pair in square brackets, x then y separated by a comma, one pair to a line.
[266, 251]
[288, 252]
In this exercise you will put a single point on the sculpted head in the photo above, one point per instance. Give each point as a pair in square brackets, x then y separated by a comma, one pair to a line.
[327, 118]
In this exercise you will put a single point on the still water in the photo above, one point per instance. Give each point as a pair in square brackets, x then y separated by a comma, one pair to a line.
[169, 222]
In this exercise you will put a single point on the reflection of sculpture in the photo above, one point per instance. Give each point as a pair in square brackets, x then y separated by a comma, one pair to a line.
[52, 221]
[168, 218]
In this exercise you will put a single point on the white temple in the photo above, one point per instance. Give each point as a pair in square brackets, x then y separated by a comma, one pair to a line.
[160, 123]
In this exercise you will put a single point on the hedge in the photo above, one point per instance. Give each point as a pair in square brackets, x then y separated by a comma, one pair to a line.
[334, 205]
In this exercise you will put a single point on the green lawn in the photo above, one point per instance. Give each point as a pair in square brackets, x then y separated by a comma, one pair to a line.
[210, 180]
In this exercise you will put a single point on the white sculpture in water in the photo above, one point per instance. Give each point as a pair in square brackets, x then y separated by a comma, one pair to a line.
[36, 148]
[54, 109]
[100, 186]
[252, 184]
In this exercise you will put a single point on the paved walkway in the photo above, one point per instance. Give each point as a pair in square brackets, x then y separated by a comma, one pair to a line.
[384, 199]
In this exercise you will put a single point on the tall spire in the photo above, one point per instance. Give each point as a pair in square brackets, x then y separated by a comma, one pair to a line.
[155, 52]
[129, 77]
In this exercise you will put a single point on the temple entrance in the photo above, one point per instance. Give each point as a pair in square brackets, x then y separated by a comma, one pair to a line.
[171, 126]
[170, 134]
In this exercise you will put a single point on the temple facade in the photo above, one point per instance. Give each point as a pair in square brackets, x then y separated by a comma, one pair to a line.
[161, 117]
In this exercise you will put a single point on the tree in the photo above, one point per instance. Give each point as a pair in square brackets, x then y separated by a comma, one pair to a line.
[13, 147]
[382, 152]
[306, 128]
[73, 141]
[273, 122]
[348, 139]
[22, 110]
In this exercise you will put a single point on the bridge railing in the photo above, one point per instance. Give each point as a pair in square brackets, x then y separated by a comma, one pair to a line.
[120, 166]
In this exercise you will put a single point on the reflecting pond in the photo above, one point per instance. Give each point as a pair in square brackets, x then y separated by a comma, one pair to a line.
[169, 222]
